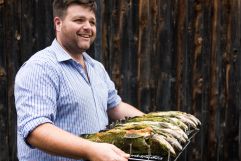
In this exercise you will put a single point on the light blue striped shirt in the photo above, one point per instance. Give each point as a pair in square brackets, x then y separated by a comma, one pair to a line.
[51, 87]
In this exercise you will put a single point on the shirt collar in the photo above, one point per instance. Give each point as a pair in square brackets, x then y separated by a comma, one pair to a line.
[88, 59]
[63, 55]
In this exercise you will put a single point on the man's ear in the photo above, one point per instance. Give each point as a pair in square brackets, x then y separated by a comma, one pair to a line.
[57, 24]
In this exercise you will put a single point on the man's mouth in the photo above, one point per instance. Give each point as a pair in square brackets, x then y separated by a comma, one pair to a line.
[87, 36]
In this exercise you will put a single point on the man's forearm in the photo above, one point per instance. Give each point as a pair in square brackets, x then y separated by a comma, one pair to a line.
[124, 110]
[53, 140]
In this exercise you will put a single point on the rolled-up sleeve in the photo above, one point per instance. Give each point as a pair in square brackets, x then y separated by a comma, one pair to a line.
[113, 98]
[35, 96]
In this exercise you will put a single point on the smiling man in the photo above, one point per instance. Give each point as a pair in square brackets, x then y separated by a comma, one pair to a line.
[61, 92]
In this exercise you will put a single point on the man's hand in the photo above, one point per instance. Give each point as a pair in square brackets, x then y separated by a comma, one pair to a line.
[106, 152]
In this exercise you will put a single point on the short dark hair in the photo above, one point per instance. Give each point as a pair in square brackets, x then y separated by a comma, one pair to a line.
[60, 6]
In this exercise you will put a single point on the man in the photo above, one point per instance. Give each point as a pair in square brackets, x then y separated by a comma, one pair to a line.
[61, 92]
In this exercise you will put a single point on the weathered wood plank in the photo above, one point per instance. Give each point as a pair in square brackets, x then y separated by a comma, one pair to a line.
[143, 58]
[36, 26]
[12, 53]
[164, 70]
[4, 150]
[213, 104]
[180, 52]
[232, 83]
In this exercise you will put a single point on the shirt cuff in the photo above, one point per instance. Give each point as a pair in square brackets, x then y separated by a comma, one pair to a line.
[114, 102]
[31, 125]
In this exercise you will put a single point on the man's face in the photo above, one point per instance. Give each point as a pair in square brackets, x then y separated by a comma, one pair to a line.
[77, 30]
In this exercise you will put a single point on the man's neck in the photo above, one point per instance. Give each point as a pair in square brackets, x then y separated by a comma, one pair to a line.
[76, 56]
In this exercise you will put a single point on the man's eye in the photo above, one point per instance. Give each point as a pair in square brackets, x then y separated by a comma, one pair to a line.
[92, 22]
[79, 20]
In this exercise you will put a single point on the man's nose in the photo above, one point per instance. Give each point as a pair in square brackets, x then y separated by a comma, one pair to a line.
[87, 25]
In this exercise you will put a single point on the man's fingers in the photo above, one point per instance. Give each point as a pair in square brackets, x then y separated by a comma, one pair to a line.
[120, 152]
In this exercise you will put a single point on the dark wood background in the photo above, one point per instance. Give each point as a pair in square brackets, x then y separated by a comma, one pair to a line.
[162, 55]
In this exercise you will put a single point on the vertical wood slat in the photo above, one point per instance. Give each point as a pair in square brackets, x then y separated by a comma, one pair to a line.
[197, 74]
[143, 57]
[4, 148]
[212, 144]
[203, 100]
[180, 53]
[232, 84]
[225, 45]
[236, 10]
[36, 26]
[164, 57]
[11, 43]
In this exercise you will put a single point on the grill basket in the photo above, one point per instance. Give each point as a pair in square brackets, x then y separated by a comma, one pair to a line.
[190, 133]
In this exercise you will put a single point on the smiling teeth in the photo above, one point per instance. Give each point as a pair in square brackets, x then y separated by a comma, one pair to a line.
[85, 36]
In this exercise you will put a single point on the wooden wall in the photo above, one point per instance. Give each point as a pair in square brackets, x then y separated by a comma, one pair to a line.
[162, 55]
